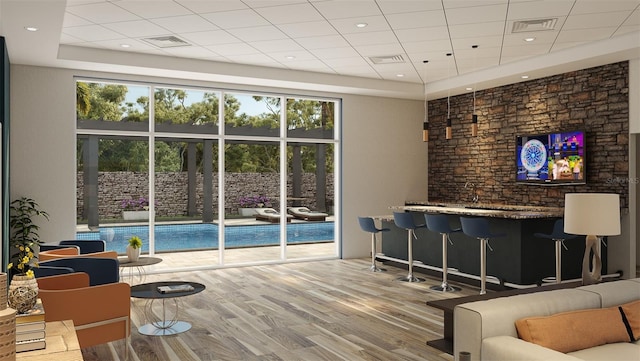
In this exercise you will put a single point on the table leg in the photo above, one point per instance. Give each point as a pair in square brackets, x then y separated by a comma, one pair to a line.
[164, 326]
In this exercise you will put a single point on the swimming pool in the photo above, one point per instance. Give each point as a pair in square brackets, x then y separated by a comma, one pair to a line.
[178, 237]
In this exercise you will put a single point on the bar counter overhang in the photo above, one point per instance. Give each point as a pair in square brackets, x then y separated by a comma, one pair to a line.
[519, 259]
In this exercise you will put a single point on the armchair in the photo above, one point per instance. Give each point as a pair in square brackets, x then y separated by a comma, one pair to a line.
[100, 313]
[73, 252]
[100, 270]
[86, 246]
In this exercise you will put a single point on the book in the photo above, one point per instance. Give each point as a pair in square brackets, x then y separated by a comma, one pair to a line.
[33, 315]
[30, 335]
[30, 326]
[175, 288]
[30, 345]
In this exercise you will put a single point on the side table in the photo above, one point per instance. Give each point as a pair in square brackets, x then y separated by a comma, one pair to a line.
[136, 270]
[164, 326]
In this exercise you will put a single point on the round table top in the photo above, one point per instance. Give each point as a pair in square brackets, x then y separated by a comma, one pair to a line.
[150, 290]
[142, 261]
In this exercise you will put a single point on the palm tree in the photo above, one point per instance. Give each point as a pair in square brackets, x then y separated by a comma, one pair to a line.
[83, 98]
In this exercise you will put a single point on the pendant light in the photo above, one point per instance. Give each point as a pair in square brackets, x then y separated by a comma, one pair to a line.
[474, 117]
[448, 134]
[425, 125]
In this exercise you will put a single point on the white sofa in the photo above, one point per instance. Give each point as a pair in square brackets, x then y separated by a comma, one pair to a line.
[487, 329]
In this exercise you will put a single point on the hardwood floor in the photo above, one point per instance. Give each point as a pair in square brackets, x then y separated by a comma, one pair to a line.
[321, 310]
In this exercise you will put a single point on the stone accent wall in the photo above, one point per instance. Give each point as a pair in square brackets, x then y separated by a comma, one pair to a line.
[595, 100]
[171, 191]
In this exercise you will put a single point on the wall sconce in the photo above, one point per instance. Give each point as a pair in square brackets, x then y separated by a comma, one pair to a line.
[474, 117]
[448, 132]
[425, 124]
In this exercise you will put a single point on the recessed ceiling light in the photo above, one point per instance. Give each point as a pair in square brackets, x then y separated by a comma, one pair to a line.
[290, 57]
[361, 25]
[528, 40]
[525, 77]
[400, 75]
[30, 28]
[469, 88]
[125, 45]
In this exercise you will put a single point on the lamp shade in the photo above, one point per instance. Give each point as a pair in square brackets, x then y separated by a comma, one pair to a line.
[595, 214]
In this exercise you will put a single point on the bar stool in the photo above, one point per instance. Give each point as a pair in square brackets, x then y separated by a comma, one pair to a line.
[440, 223]
[478, 227]
[368, 225]
[405, 220]
[559, 237]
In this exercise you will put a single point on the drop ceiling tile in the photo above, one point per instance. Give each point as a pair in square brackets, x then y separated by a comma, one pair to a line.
[258, 33]
[92, 33]
[455, 4]
[376, 37]
[417, 20]
[308, 29]
[150, 9]
[236, 19]
[73, 20]
[135, 45]
[102, 13]
[335, 53]
[464, 49]
[597, 7]
[587, 21]
[269, 46]
[312, 65]
[288, 14]
[185, 24]
[423, 34]
[268, 3]
[201, 6]
[233, 49]
[136, 28]
[298, 56]
[476, 14]
[407, 6]
[360, 71]
[534, 10]
[633, 19]
[213, 37]
[529, 50]
[544, 37]
[347, 9]
[190, 52]
[348, 26]
[584, 35]
[483, 43]
[380, 50]
[346, 62]
[440, 46]
[468, 65]
[627, 29]
[322, 42]
[68, 39]
[480, 29]
[255, 59]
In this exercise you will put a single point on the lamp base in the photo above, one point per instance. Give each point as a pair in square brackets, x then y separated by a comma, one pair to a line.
[591, 276]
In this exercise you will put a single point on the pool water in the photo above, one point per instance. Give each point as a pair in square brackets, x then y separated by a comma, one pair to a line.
[178, 237]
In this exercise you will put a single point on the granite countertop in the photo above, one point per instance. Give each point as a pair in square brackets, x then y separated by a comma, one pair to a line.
[484, 210]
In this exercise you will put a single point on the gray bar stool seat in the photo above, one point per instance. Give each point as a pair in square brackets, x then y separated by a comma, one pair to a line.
[440, 223]
[478, 227]
[559, 236]
[405, 220]
[368, 225]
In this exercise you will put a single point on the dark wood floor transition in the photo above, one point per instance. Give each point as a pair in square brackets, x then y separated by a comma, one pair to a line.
[325, 310]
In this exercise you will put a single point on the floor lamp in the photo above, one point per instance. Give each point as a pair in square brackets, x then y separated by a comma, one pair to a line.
[594, 215]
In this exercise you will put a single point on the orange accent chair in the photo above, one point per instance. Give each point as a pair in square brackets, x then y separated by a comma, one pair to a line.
[72, 252]
[100, 314]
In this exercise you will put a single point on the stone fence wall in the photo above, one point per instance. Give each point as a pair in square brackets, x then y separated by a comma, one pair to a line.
[172, 191]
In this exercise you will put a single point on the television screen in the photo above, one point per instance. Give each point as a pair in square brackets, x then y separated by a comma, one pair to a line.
[553, 158]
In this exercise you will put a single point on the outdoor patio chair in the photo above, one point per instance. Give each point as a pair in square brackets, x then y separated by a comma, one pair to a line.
[100, 314]
[270, 215]
[100, 270]
[306, 214]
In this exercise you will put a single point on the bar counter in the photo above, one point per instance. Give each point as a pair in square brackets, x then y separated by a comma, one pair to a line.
[519, 259]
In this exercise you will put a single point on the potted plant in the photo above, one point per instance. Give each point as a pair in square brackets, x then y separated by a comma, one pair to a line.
[135, 209]
[248, 204]
[134, 248]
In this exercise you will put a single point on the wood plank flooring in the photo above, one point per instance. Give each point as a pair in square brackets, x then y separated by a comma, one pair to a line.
[321, 310]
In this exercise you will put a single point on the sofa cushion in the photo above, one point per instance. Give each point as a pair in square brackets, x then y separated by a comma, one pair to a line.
[615, 293]
[574, 330]
[612, 351]
[632, 314]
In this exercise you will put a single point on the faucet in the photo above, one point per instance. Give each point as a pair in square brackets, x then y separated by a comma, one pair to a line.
[471, 185]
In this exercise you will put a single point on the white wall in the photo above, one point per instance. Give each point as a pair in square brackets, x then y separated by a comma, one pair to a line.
[384, 159]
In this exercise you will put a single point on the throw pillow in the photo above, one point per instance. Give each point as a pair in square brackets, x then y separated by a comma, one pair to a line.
[632, 314]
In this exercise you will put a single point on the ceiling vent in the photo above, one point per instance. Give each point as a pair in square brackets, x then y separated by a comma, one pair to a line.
[533, 25]
[390, 59]
[169, 41]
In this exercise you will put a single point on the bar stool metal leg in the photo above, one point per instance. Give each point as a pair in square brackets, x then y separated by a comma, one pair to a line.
[558, 260]
[483, 265]
[374, 267]
[444, 287]
[410, 277]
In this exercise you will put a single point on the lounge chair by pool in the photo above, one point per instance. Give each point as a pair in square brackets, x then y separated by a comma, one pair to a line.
[306, 214]
[270, 215]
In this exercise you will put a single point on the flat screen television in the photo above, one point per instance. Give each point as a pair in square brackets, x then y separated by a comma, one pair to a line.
[551, 158]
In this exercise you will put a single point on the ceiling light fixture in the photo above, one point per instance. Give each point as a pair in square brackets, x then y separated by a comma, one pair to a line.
[425, 124]
[361, 25]
[528, 40]
[474, 116]
[290, 57]
[30, 28]
[125, 45]
[448, 134]
[400, 75]
[525, 77]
